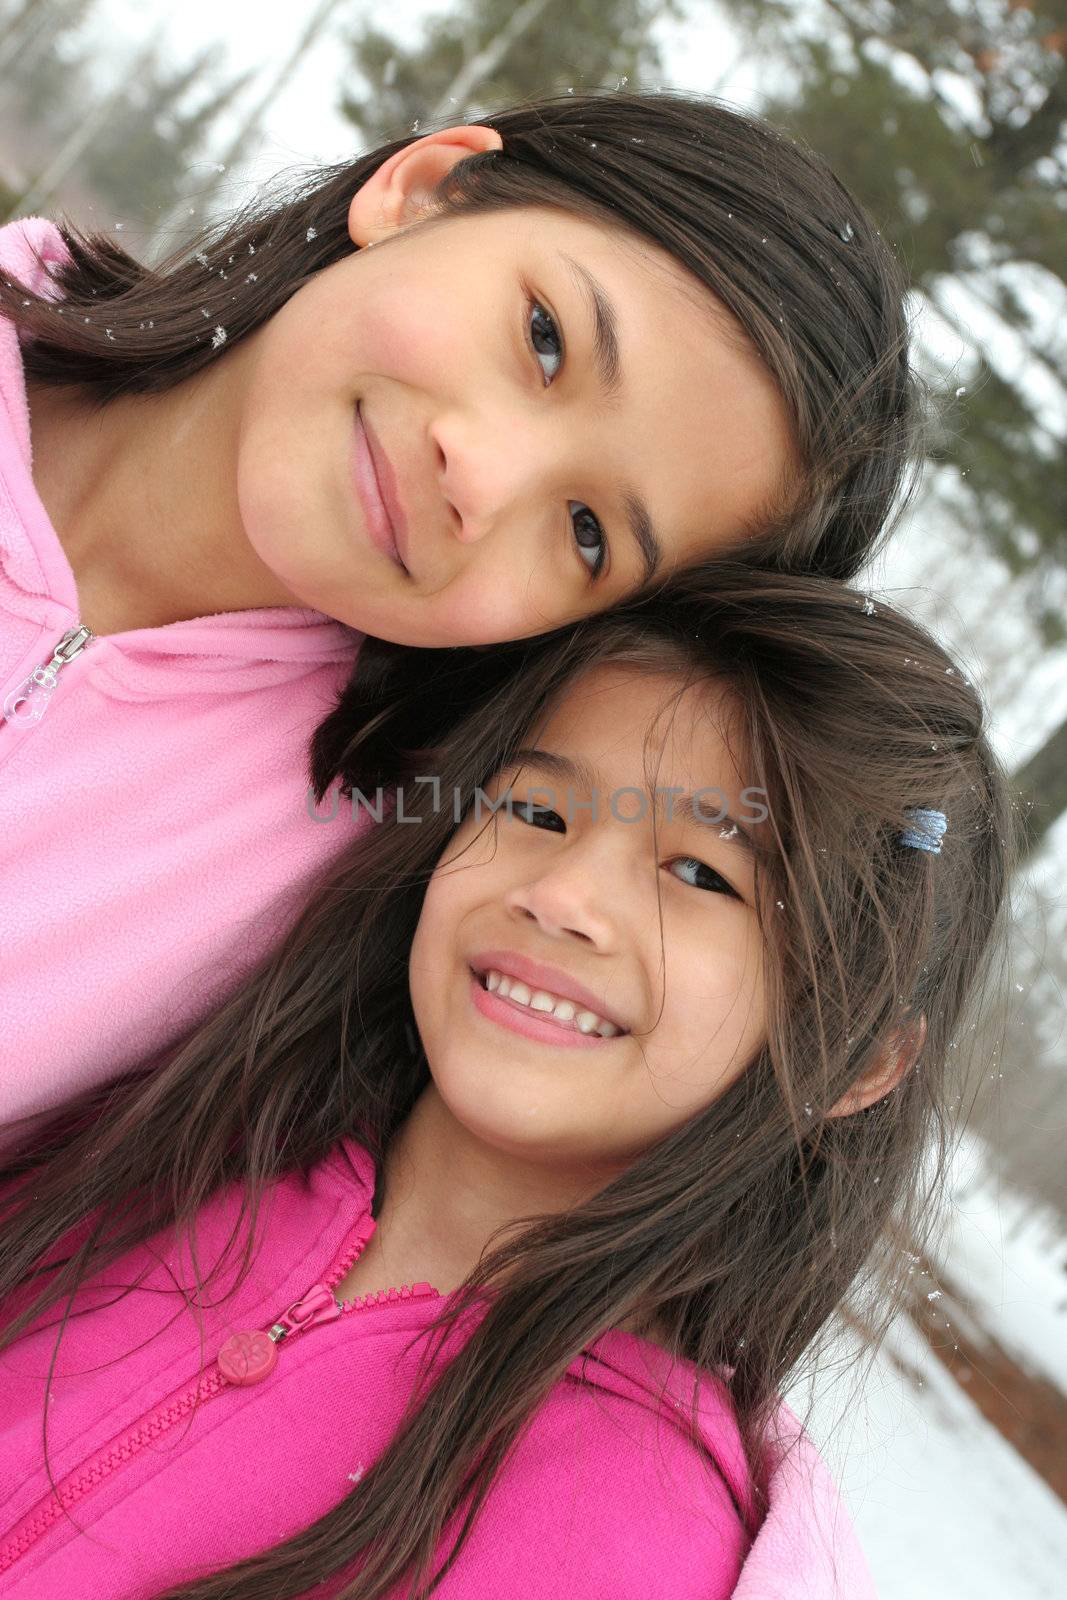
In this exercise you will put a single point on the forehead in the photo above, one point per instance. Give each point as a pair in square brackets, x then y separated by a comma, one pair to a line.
[637, 724]
[614, 247]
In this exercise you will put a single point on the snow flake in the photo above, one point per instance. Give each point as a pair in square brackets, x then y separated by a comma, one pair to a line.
[252, 278]
[354, 1477]
[728, 833]
[204, 312]
[868, 606]
[312, 233]
[220, 338]
[961, 391]
[846, 232]
[935, 1294]
[202, 258]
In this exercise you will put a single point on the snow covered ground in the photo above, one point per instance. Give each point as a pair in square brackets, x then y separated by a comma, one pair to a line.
[945, 1508]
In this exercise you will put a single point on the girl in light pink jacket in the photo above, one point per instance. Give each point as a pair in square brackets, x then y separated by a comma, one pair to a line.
[467, 1251]
[463, 389]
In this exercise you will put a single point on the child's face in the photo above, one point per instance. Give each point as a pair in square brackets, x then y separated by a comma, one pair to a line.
[584, 898]
[512, 468]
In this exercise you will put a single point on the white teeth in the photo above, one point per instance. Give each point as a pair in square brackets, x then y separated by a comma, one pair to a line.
[542, 1000]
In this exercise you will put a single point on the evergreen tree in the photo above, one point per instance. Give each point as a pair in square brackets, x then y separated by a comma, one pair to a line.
[947, 118]
[486, 53]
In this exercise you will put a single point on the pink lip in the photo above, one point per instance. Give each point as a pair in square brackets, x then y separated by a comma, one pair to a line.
[538, 975]
[365, 473]
[531, 1024]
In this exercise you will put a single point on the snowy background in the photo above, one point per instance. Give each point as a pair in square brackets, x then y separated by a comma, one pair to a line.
[945, 1504]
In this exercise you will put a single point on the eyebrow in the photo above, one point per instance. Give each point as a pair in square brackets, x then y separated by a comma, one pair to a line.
[609, 366]
[587, 777]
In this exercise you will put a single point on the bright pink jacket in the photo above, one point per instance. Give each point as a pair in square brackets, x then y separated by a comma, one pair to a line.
[154, 830]
[166, 1466]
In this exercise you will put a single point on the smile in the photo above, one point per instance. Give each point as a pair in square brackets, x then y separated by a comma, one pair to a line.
[368, 490]
[537, 1013]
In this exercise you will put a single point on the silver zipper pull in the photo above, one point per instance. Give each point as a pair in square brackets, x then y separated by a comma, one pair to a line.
[29, 701]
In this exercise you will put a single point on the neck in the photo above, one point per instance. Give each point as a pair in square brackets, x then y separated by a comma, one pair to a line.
[445, 1193]
[142, 495]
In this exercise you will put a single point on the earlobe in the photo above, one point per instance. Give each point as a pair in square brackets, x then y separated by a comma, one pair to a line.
[399, 192]
[899, 1057]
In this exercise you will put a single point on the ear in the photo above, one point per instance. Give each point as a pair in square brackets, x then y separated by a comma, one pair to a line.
[398, 193]
[898, 1057]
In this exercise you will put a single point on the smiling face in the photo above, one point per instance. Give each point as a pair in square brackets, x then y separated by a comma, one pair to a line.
[569, 906]
[525, 495]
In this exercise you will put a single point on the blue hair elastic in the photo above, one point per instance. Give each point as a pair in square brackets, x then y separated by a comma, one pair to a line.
[930, 830]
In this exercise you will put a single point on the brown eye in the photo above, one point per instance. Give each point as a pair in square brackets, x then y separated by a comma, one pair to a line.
[536, 816]
[544, 339]
[589, 538]
[705, 877]
[543, 335]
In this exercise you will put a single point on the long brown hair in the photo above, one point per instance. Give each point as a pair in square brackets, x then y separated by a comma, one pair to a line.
[755, 216]
[743, 1231]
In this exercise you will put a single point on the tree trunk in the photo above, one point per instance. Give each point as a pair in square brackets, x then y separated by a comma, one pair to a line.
[1041, 784]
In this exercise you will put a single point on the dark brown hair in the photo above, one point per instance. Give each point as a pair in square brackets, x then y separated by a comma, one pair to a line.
[754, 215]
[742, 1232]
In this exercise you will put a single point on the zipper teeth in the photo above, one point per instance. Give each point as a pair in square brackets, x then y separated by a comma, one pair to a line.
[172, 1410]
[129, 1444]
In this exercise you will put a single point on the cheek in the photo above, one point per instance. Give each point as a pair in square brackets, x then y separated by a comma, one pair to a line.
[489, 606]
[515, 592]
[714, 1019]
[412, 334]
[455, 889]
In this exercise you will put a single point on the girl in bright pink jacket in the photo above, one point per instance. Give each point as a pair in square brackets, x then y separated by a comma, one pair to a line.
[464, 388]
[468, 1250]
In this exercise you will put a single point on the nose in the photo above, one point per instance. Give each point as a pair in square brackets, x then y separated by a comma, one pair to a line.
[569, 901]
[489, 464]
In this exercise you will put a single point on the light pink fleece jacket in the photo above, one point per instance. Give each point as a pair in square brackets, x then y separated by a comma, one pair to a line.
[166, 1469]
[154, 831]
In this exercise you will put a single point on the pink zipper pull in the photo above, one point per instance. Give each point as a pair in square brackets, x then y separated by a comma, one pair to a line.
[248, 1358]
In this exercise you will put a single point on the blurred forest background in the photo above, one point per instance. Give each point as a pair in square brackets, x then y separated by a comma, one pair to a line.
[948, 120]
